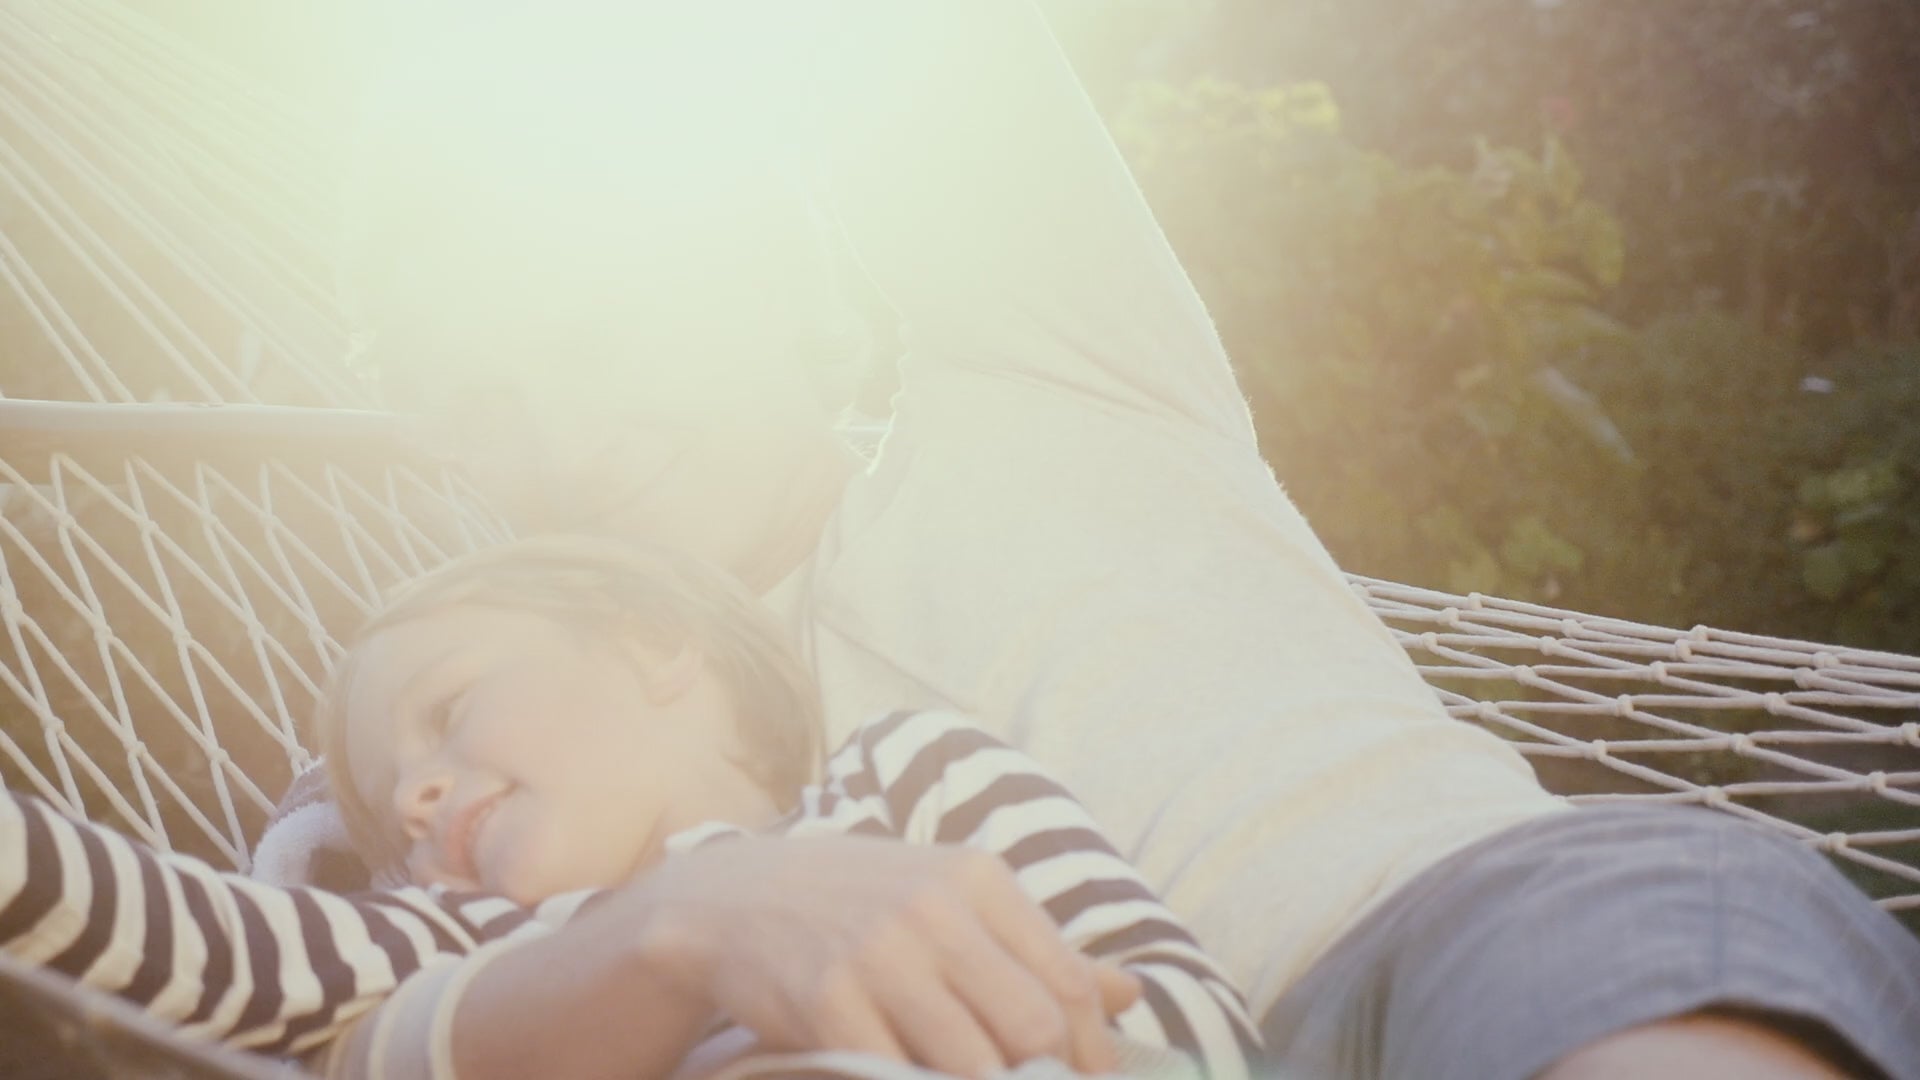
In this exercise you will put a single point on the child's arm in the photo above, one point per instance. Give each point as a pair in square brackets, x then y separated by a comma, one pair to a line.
[274, 970]
[942, 780]
[983, 194]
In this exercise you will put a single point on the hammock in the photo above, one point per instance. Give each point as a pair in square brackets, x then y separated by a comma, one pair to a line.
[169, 257]
[172, 580]
[177, 557]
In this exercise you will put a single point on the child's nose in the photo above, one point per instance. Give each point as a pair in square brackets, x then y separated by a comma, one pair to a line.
[418, 799]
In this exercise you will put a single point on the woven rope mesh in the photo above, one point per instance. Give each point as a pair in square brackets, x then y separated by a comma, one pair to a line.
[166, 625]
[1820, 741]
[162, 226]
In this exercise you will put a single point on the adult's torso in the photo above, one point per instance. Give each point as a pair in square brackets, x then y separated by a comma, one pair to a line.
[1132, 599]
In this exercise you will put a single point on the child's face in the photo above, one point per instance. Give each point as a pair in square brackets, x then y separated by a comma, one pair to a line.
[515, 757]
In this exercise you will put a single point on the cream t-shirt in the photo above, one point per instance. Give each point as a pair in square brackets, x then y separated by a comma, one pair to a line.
[1069, 532]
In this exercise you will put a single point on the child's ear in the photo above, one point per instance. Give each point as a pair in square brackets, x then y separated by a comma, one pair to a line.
[668, 675]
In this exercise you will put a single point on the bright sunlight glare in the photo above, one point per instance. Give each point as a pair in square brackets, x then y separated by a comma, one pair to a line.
[590, 194]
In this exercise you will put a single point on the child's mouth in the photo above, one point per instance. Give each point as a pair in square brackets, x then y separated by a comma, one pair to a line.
[463, 837]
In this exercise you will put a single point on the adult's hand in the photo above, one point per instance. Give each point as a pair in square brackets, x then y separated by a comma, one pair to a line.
[925, 954]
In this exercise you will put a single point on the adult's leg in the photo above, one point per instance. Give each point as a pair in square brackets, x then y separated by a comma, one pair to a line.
[1704, 1046]
[1565, 934]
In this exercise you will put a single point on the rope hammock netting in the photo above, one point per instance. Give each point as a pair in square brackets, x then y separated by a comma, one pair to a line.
[161, 224]
[176, 554]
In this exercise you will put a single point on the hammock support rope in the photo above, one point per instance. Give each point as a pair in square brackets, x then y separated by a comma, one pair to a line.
[161, 224]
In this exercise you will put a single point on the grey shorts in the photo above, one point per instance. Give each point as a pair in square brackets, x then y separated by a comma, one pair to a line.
[1510, 954]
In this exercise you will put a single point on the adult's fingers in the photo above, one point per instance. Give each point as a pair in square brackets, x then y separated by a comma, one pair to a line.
[1093, 1050]
[937, 1027]
[839, 1014]
[1119, 988]
[1016, 1008]
[1032, 939]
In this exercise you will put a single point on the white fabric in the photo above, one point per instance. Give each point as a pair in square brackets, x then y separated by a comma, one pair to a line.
[1070, 534]
[284, 856]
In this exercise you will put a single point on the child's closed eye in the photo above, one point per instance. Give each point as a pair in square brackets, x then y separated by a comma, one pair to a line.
[445, 714]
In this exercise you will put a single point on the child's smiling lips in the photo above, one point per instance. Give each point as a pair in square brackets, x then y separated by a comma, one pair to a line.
[463, 829]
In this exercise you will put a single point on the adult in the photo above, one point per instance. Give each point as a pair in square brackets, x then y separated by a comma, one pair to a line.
[1068, 532]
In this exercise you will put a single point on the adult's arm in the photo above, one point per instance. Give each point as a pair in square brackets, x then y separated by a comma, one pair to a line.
[983, 194]
[842, 943]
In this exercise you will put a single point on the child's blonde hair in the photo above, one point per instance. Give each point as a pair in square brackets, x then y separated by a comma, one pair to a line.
[607, 592]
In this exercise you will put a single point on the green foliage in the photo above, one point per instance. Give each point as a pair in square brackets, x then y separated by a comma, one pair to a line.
[1396, 327]
[1437, 378]
[1857, 506]
[1761, 154]
[1342, 270]
[1672, 357]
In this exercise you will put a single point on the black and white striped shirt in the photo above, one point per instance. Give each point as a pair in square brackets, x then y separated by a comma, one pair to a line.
[286, 970]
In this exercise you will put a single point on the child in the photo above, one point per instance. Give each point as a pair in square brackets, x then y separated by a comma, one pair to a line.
[556, 717]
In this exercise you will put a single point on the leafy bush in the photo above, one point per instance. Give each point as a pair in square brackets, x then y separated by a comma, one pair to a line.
[1435, 378]
[1398, 328]
[1761, 154]
[1857, 511]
